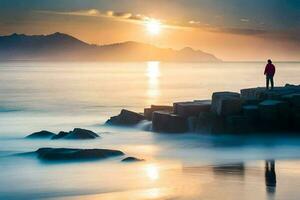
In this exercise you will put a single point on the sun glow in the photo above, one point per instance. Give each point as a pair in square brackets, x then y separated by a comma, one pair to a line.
[152, 172]
[153, 26]
[153, 74]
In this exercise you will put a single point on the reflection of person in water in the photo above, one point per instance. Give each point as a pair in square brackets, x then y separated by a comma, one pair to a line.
[270, 176]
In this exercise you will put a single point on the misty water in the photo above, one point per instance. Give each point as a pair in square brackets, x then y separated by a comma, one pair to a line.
[62, 96]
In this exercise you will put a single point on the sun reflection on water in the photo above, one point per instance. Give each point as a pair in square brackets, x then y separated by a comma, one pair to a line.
[153, 74]
[152, 172]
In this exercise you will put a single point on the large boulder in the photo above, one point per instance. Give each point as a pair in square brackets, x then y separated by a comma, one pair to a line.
[190, 109]
[226, 103]
[126, 118]
[149, 111]
[68, 154]
[41, 135]
[164, 121]
[76, 134]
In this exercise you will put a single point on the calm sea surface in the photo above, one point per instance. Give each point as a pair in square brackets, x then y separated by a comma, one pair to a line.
[62, 96]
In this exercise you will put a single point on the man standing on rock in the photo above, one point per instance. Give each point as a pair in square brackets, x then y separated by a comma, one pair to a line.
[269, 72]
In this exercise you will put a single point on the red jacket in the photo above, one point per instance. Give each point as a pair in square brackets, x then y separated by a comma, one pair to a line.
[270, 70]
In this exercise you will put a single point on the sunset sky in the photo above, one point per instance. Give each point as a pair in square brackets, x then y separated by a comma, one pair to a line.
[230, 29]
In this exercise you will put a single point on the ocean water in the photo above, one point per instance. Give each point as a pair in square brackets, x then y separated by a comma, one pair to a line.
[62, 96]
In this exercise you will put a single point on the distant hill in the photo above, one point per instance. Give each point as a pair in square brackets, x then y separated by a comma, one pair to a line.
[63, 47]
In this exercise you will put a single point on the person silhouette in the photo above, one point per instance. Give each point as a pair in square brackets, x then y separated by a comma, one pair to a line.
[269, 72]
[270, 176]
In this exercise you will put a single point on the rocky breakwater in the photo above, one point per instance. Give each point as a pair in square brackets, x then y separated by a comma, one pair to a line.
[251, 110]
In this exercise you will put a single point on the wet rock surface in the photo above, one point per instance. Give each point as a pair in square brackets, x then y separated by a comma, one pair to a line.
[75, 134]
[68, 154]
[126, 118]
[41, 135]
[60, 135]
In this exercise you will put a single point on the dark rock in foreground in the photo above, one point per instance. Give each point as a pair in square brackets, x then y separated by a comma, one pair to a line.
[126, 118]
[41, 135]
[132, 159]
[76, 134]
[66, 154]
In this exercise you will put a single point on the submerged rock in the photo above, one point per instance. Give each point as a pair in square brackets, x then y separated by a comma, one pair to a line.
[126, 118]
[68, 154]
[76, 134]
[41, 135]
[132, 159]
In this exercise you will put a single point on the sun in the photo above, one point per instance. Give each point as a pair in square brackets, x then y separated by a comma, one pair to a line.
[153, 26]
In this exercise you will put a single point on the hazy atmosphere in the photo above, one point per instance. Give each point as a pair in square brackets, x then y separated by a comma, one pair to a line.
[232, 30]
[149, 99]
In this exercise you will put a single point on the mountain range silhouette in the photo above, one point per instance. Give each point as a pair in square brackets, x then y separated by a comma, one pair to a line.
[63, 47]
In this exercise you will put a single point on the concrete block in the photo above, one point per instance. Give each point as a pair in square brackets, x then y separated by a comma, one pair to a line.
[192, 123]
[238, 124]
[226, 103]
[149, 111]
[274, 115]
[210, 123]
[163, 121]
[189, 109]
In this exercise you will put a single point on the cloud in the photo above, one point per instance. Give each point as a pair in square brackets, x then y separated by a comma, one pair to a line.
[193, 23]
[245, 20]
[242, 31]
[97, 13]
[125, 15]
